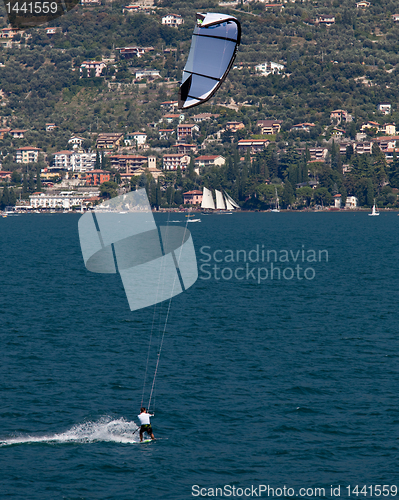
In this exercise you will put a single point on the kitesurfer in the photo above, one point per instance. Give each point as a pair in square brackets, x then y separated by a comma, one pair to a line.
[145, 424]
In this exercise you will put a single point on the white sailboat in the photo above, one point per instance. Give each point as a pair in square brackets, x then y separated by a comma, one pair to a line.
[277, 206]
[230, 203]
[207, 200]
[374, 211]
[223, 201]
[220, 205]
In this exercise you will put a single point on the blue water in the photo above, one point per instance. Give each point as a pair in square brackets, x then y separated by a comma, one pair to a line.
[287, 382]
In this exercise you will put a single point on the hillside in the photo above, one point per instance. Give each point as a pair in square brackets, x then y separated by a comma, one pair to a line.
[349, 64]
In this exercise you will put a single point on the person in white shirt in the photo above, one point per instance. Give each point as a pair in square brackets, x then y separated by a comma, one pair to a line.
[145, 424]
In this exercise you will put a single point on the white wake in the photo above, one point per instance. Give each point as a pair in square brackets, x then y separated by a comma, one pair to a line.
[104, 430]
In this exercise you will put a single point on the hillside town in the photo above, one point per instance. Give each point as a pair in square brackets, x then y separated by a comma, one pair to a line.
[243, 141]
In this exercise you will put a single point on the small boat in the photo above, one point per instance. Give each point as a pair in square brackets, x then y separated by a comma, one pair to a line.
[277, 206]
[374, 211]
[194, 220]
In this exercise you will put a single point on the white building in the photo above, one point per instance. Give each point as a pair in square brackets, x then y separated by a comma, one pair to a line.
[388, 129]
[269, 67]
[384, 108]
[326, 20]
[129, 52]
[64, 200]
[204, 116]
[172, 20]
[337, 201]
[93, 68]
[53, 30]
[147, 74]
[173, 161]
[351, 202]
[74, 161]
[76, 141]
[363, 4]
[210, 160]
[137, 138]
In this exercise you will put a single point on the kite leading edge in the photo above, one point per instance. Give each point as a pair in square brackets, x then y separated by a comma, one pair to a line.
[213, 49]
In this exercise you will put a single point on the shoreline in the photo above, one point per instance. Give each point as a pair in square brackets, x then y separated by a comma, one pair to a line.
[200, 212]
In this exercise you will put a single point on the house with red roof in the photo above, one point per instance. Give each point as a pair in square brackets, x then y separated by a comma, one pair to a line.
[210, 161]
[185, 130]
[192, 197]
[5, 175]
[128, 163]
[253, 145]
[174, 161]
[164, 133]
[27, 154]
[185, 148]
[17, 133]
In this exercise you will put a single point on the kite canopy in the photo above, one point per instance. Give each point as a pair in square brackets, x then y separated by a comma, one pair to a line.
[213, 49]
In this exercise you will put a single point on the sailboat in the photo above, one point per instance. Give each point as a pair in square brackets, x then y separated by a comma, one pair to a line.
[374, 211]
[276, 207]
[223, 201]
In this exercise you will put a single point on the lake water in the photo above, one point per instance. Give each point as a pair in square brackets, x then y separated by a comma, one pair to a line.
[287, 380]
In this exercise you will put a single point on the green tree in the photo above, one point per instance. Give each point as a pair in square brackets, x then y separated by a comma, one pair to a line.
[191, 166]
[352, 130]
[5, 198]
[370, 193]
[25, 184]
[322, 197]
[170, 195]
[16, 177]
[288, 194]
[38, 179]
[304, 195]
[109, 189]
[178, 198]
[158, 196]
[12, 198]
[349, 152]
[344, 195]
[134, 181]
[31, 183]
[393, 172]
[179, 178]
[98, 161]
